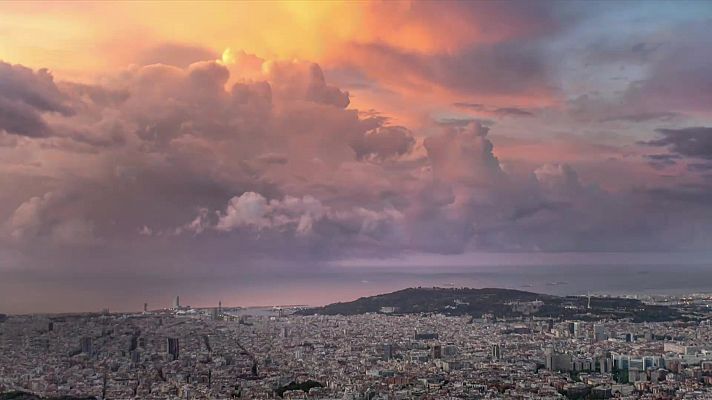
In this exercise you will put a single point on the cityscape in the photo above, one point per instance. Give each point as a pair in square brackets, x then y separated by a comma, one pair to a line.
[356, 199]
[179, 352]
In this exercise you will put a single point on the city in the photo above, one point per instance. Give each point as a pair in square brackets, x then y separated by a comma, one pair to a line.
[355, 199]
[271, 353]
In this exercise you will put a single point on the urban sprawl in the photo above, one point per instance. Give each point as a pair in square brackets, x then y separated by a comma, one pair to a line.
[224, 353]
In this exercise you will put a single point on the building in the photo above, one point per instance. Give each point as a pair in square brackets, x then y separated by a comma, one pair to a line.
[425, 336]
[176, 303]
[558, 361]
[496, 352]
[387, 351]
[86, 345]
[172, 347]
[436, 351]
[599, 333]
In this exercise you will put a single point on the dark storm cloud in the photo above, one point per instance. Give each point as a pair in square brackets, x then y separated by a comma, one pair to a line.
[688, 142]
[660, 161]
[24, 96]
[643, 117]
[500, 111]
[699, 167]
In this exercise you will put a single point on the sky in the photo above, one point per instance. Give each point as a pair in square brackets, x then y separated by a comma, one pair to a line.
[148, 148]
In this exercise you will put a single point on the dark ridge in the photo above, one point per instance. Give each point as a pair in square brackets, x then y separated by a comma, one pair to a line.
[499, 303]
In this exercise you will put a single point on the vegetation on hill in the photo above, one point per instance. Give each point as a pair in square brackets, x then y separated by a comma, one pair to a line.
[506, 303]
[305, 386]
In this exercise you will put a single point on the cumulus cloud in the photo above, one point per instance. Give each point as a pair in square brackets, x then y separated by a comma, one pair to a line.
[42, 218]
[24, 96]
[463, 154]
[217, 161]
[560, 179]
[300, 216]
[383, 142]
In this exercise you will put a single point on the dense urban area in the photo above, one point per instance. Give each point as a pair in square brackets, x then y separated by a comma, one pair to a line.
[181, 352]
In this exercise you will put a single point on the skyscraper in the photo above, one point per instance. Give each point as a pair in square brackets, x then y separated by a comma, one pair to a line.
[86, 345]
[437, 351]
[496, 352]
[599, 333]
[172, 347]
[176, 303]
[387, 351]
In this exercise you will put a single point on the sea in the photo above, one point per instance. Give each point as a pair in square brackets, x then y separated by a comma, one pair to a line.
[324, 285]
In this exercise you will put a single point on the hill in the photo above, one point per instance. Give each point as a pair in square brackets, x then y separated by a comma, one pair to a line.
[506, 303]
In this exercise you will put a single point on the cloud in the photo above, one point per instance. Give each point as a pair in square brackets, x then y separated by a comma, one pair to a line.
[383, 143]
[661, 161]
[693, 142]
[643, 117]
[223, 164]
[463, 154]
[42, 218]
[508, 70]
[175, 54]
[499, 111]
[24, 96]
[560, 179]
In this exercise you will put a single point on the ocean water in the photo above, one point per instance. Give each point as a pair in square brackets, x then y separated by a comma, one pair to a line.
[322, 285]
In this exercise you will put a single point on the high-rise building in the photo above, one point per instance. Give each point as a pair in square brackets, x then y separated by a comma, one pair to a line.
[387, 351]
[496, 352]
[556, 361]
[133, 342]
[172, 347]
[145, 307]
[176, 303]
[436, 351]
[599, 333]
[86, 345]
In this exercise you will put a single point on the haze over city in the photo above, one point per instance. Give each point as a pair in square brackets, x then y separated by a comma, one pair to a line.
[267, 153]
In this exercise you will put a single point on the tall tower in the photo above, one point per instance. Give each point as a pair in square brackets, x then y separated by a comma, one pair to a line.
[172, 347]
[86, 345]
[496, 352]
[176, 303]
[145, 307]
